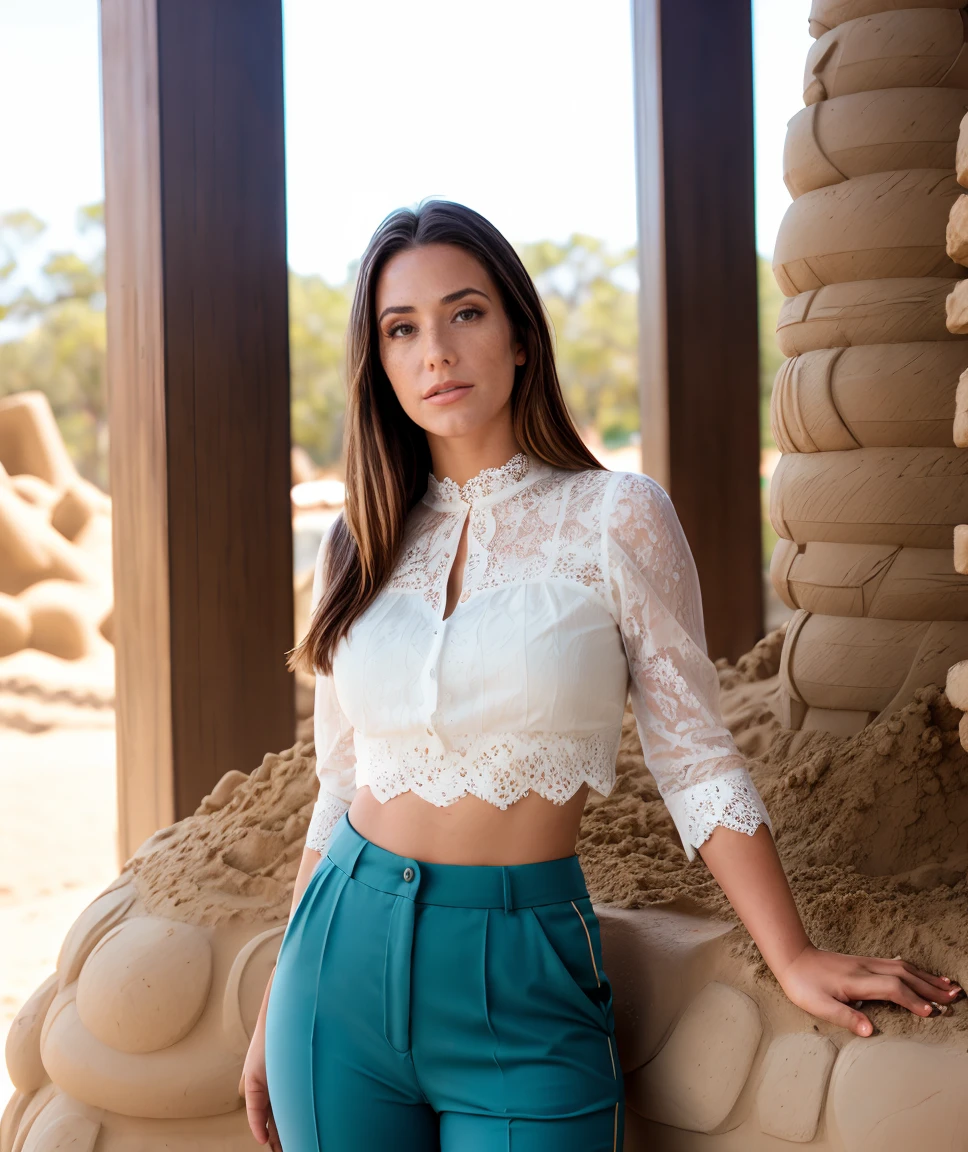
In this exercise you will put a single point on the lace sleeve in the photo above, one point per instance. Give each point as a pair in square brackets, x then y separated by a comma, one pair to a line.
[654, 586]
[333, 737]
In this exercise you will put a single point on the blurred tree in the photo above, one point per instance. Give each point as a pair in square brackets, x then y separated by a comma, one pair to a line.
[61, 348]
[318, 315]
[17, 229]
[596, 330]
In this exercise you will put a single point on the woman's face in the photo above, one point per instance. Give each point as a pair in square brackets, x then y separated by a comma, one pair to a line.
[442, 325]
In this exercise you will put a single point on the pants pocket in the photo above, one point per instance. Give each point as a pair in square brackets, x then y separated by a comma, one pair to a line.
[571, 933]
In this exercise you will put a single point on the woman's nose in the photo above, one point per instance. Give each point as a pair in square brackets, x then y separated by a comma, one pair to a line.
[438, 349]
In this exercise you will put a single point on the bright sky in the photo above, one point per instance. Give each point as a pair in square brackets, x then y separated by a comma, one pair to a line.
[520, 108]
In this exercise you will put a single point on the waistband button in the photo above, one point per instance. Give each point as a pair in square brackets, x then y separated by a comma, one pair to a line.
[408, 874]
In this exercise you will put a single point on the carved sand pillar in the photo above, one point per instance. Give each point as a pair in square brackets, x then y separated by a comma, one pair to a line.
[871, 483]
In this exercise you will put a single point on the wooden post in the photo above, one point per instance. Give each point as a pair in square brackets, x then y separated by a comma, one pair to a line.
[198, 382]
[698, 330]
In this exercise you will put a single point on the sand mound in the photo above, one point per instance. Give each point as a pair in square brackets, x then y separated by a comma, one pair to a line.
[236, 858]
[871, 829]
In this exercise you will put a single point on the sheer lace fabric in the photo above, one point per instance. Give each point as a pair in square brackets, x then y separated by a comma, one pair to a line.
[578, 588]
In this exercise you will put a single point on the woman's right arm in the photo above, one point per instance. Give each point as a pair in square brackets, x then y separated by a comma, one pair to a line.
[336, 769]
[310, 858]
[252, 1085]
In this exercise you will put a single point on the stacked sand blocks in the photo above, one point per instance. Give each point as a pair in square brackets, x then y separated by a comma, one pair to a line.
[871, 483]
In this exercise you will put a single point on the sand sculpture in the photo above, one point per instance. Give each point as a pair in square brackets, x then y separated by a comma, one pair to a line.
[137, 1039]
[871, 483]
[55, 540]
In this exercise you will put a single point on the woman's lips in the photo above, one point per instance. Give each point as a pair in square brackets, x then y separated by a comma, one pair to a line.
[449, 396]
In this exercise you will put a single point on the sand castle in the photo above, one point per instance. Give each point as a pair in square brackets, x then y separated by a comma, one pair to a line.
[138, 1037]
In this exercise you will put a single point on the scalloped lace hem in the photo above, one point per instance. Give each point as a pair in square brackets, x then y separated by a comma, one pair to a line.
[499, 769]
[730, 800]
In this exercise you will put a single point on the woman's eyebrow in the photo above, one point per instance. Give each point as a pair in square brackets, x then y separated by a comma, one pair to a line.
[448, 299]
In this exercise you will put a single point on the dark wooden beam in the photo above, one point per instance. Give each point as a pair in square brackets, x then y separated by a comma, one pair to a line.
[198, 379]
[699, 353]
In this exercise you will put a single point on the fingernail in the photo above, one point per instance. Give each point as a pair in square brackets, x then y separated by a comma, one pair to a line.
[946, 979]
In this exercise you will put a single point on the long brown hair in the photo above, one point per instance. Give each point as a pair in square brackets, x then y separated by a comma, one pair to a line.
[387, 455]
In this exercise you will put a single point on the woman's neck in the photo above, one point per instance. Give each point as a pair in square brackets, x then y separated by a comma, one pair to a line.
[461, 459]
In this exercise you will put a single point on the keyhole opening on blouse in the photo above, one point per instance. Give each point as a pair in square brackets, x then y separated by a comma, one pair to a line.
[455, 578]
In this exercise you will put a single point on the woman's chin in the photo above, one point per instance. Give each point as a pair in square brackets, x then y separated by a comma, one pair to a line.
[457, 424]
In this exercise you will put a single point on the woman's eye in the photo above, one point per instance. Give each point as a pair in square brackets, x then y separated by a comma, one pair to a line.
[469, 309]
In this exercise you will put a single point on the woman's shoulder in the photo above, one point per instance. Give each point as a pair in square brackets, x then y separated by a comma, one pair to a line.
[617, 487]
[636, 506]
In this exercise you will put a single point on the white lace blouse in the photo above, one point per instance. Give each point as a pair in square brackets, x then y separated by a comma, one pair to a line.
[578, 588]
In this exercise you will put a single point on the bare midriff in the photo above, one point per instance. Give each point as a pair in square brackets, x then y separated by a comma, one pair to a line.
[470, 831]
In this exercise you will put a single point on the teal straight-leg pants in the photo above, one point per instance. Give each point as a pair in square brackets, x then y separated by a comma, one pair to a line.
[420, 1006]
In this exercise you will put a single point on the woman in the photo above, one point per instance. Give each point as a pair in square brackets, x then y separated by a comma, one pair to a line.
[480, 610]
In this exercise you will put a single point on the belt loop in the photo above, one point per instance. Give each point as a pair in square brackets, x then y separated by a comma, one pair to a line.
[354, 854]
[506, 877]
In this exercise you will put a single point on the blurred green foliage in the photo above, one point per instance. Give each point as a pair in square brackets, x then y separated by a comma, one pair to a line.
[61, 353]
[593, 313]
[56, 340]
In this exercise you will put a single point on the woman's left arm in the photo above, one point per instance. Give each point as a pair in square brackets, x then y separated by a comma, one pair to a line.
[703, 777]
[748, 870]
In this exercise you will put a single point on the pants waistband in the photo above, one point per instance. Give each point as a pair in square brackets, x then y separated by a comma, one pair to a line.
[506, 886]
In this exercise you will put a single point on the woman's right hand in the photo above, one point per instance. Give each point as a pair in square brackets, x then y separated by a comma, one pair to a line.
[254, 1088]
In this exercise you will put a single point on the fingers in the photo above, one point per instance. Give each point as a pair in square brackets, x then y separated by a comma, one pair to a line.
[257, 1109]
[274, 1142]
[891, 988]
[927, 983]
[931, 991]
[836, 1012]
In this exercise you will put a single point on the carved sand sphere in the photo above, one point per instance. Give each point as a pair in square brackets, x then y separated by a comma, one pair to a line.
[871, 482]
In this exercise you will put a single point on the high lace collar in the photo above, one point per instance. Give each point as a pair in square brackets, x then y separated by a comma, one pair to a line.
[488, 485]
